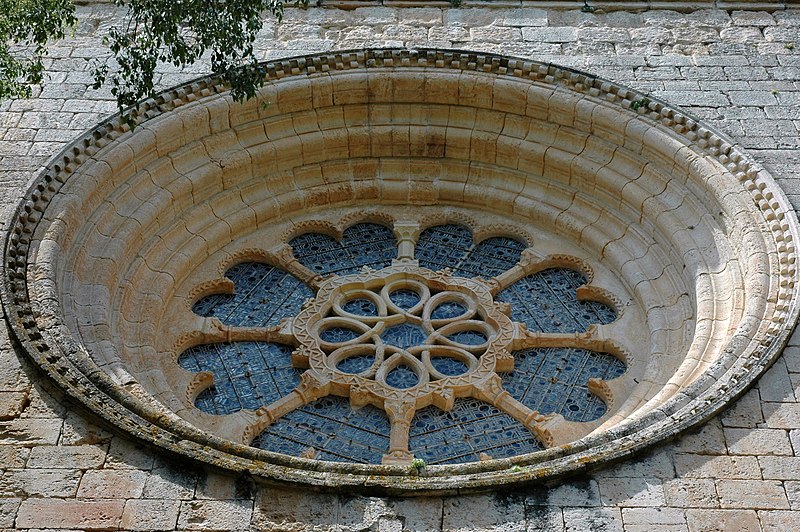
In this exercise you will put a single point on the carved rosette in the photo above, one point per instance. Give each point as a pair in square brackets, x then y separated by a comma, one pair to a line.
[348, 345]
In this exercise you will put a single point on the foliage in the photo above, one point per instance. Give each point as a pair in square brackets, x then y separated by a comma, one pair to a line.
[25, 28]
[182, 32]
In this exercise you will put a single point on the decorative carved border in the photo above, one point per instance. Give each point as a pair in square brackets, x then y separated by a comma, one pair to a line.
[44, 336]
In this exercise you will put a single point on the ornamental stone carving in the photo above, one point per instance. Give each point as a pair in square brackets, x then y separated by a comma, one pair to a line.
[619, 199]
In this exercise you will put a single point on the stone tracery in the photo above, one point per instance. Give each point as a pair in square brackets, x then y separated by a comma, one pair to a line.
[404, 336]
[688, 238]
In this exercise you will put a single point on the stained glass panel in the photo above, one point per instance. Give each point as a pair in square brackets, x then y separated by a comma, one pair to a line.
[364, 244]
[472, 427]
[336, 432]
[547, 302]
[247, 375]
[451, 246]
[554, 380]
[264, 295]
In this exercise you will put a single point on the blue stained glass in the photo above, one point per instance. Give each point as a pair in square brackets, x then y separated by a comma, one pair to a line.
[360, 307]
[402, 377]
[451, 246]
[491, 257]
[468, 337]
[338, 334]
[247, 375]
[447, 310]
[554, 380]
[264, 295]
[404, 298]
[443, 246]
[363, 244]
[337, 432]
[404, 335]
[472, 427]
[355, 364]
[449, 366]
[547, 302]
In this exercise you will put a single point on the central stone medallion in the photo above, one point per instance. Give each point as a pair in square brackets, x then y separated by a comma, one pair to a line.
[403, 338]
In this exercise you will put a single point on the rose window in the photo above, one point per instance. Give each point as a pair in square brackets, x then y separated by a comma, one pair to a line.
[372, 348]
[512, 270]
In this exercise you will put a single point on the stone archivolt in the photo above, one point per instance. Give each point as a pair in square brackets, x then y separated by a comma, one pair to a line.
[678, 229]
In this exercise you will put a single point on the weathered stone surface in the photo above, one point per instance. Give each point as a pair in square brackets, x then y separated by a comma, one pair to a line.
[67, 457]
[170, 483]
[760, 494]
[60, 513]
[112, 484]
[758, 442]
[646, 519]
[600, 519]
[8, 511]
[40, 482]
[702, 466]
[483, 513]
[724, 72]
[722, 520]
[691, 493]
[145, 514]
[215, 515]
[12, 404]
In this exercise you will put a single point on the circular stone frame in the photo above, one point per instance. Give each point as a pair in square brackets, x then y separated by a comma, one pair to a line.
[761, 230]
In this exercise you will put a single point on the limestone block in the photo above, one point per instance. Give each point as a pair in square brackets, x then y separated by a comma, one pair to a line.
[631, 492]
[691, 493]
[780, 468]
[730, 467]
[170, 483]
[646, 519]
[12, 404]
[67, 457]
[758, 442]
[576, 493]
[215, 515]
[482, 513]
[41, 482]
[8, 511]
[126, 454]
[30, 431]
[149, 515]
[112, 484]
[782, 415]
[722, 520]
[66, 513]
[599, 519]
[758, 494]
[746, 413]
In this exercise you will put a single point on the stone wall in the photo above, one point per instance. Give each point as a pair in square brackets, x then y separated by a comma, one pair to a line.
[739, 71]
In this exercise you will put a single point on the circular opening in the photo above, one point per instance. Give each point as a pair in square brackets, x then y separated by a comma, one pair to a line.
[620, 270]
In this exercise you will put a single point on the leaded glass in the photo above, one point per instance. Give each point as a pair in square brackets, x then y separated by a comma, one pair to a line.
[405, 299]
[491, 257]
[363, 244]
[401, 334]
[264, 294]
[443, 246]
[247, 375]
[472, 427]
[547, 302]
[336, 431]
[554, 380]
[447, 310]
[451, 246]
